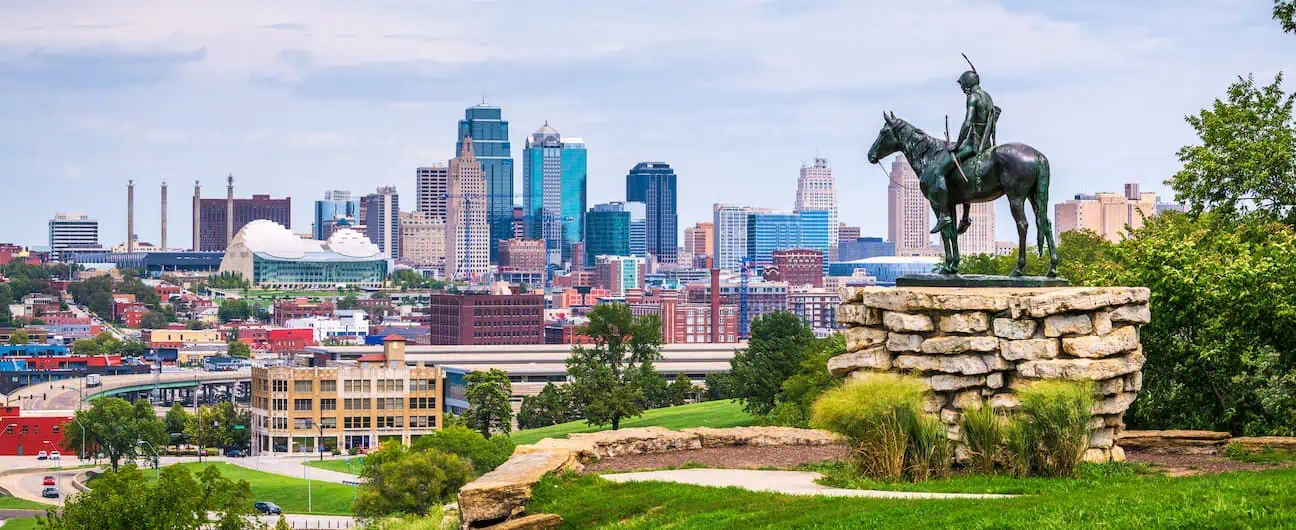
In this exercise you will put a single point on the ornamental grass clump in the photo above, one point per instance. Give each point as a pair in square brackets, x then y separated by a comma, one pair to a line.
[1018, 446]
[983, 432]
[1056, 415]
[929, 445]
[873, 413]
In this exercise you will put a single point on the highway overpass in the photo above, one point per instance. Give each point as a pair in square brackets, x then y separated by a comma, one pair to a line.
[68, 393]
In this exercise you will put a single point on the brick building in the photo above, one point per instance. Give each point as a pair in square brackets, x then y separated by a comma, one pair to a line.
[481, 318]
[800, 266]
[27, 434]
[285, 310]
[522, 254]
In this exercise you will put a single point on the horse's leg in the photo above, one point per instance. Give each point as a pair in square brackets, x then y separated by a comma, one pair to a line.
[951, 234]
[1044, 227]
[1016, 204]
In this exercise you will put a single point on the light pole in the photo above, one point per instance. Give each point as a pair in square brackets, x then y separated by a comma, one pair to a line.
[157, 473]
[81, 457]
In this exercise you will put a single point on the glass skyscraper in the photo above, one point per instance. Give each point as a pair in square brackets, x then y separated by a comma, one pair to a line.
[607, 231]
[638, 228]
[653, 183]
[489, 132]
[553, 191]
[816, 228]
[337, 204]
[769, 231]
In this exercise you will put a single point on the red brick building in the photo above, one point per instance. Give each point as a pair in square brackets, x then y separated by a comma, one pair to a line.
[523, 254]
[26, 434]
[470, 318]
[578, 296]
[132, 315]
[285, 310]
[692, 324]
[574, 279]
[290, 339]
[799, 266]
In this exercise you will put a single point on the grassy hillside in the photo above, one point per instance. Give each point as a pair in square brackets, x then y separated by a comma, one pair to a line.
[288, 492]
[728, 413]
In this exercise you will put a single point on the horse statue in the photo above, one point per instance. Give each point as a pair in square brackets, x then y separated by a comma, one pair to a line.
[1014, 169]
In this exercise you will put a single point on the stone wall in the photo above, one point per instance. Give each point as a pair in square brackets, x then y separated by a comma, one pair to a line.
[976, 346]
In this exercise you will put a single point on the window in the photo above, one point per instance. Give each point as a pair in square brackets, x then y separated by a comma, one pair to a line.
[328, 423]
[55, 429]
[304, 386]
[389, 403]
[280, 404]
[24, 429]
[391, 422]
[302, 404]
[302, 423]
[328, 385]
[356, 422]
[280, 385]
[356, 403]
[280, 423]
[328, 404]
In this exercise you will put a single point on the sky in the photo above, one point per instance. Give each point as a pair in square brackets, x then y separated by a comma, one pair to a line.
[294, 98]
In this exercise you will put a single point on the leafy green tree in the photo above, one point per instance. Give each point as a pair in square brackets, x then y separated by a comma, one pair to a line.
[238, 348]
[234, 310]
[101, 303]
[6, 298]
[779, 343]
[655, 389]
[115, 427]
[607, 377]
[720, 386]
[799, 391]
[176, 501]
[176, 419]
[481, 453]
[1284, 11]
[551, 406]
[207, 428]
[399, 480]
[681, 389]
[154, 320]
[228, 280]
[237, 423]
[488, 396]
[19, 338]
[349, 302]
[133, 348]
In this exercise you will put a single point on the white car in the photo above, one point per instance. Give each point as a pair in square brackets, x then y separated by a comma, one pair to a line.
[42, 455]
[55, 455]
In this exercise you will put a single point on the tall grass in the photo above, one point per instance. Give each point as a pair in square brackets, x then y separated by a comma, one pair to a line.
[1018, 447]
[983, 433]
[876, 413]
[929, 446]
[1056, 414]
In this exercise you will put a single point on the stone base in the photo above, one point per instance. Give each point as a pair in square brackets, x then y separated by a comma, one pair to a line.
[978, 280]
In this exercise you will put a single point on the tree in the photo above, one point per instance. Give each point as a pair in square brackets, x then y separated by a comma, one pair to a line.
[1284, 12]
[175, 421]
[234, 310]
[348, 302]
[488, 396]
[799, 391]
[133, 348]
[6, 298]
[206, 428]
[398, 480]
[115, 427]
[177, 501]
[607, 378]
[237, 423]
[154, 320]
[720, 386]
[779, 343]
[681, 389]
[238, 348]
[481, 453]
[228, 280]
[1246, 161]
[549, 407]
[19, 338]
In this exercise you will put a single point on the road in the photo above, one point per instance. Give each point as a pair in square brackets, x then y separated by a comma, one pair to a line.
[67, 394]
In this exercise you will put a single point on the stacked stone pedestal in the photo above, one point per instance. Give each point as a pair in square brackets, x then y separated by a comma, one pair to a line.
[976, 346]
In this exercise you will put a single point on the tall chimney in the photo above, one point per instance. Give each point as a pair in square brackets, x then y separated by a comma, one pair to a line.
[130, 216]
[197, 206]
[229, 210]
[715, 305]
[163, 246]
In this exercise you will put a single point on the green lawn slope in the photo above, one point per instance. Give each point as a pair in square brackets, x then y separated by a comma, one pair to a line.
[726, 413]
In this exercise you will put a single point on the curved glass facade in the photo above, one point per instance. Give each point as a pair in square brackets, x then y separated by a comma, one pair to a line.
[886, 272]
[271, 273]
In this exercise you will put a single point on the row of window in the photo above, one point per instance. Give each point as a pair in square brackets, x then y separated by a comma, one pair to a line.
[35, 429]
[352, 385]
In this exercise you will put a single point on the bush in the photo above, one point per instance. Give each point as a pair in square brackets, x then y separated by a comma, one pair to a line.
[482, 453]
[1018, 446]
[1056, 415]
[872, 412]
[403, 481]
[983, 433]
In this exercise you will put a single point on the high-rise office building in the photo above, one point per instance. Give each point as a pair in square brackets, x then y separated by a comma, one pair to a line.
[337, 205]
[653, 183]
[1105, 213]
[382, 217]
[431, 185]
[72, 232]
[698, 244]
[618, 273]
[220, 219]
[980, 237]
[863, 247]
[908, 215]
[729, 221]
[816, 233]
[524, 255]
[490, 135]
[467, 244]
[847, 233]
[768, 231]
[638, 228]
[607, 231]
[816, 191]
[553, 191]
[422, 239]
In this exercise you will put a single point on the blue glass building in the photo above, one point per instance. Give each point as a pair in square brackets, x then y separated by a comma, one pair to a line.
[814, 226]
[864, 247]
[886, 268]
[653, 183]
[607, 231]
[489, 132]
[769, 231]
[336, 205]
[553, 191]
[638, 228]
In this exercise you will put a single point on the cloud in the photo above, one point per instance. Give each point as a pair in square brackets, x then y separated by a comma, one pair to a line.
[287, 27]
[94, 68]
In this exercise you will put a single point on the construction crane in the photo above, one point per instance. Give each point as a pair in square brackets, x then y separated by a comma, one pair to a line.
[744, 315]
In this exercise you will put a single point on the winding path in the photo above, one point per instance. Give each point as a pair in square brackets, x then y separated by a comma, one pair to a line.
[789, 482]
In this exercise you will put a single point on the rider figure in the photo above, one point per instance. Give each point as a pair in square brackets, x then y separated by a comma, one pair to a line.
[972, 140]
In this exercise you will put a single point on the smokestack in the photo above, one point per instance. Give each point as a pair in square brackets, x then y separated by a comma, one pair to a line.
[229, 210]
[715, 305]
[164, 217]
[197, 205]
[130, 216]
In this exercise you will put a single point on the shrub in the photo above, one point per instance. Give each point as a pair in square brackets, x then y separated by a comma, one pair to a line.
[1056, 414]
[871, 413]
[1018, 445]
[482, 453]
[983, 433]
[403, 481]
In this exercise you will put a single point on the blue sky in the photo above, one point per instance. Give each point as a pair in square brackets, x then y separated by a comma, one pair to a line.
[294, 98]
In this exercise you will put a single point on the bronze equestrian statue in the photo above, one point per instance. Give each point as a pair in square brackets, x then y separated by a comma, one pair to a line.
[973, 169]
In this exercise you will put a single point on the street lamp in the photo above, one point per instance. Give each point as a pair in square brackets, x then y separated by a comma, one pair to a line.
[81, 457]
[156, 472]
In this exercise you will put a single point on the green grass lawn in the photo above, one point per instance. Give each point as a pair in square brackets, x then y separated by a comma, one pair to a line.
[288, 492]
[1128, 500]
[727, 413]
[14, 503]
[1088, 476]
[338, 464]
[21, 523]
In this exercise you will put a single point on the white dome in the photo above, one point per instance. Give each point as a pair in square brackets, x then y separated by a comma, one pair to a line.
[271, 238]
[352, 244]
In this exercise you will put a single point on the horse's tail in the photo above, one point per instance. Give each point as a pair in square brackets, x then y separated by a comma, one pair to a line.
[1039, 203]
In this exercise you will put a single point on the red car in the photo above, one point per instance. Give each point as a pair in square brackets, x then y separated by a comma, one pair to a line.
[49, 480]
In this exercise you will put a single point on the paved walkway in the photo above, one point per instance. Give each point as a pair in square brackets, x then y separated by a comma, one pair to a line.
[789, 482]
[291, 466]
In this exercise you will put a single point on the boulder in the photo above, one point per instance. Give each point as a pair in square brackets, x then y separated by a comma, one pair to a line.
[1069, 324]
[1115, 404]
[968, 399]
[1111, 386]
[970, 322]
[858, 315]
[1028, 349]
[959, 344]
[950, 416]
[1120, 340]
[1134, 382]
[995, 362]
[1063, 300]
[899, 342]
[1117, 454]
[1014, 329]
[1081, 369]
[858, 338]
[1173, 441]
[933, 402]
[1102, 437]
[505, 491]
[637, 441]
[1132, 314]
[906, 322]
[958, 364]
[945, 383]
[1097, 455]
[537, 521]
[875, 358]
[1102, 323]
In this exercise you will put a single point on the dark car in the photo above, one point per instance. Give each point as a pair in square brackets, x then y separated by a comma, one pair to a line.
[231, 452]
[266, 508]
[49, 480]
[50, 493]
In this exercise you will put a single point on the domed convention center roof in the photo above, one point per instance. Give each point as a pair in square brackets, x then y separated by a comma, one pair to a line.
[351, 243]
[271, 239]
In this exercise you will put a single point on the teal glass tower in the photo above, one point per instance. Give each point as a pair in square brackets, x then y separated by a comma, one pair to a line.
[490, 135]
[770, 231]
[553, 191]
[607, 231]
[814, 226]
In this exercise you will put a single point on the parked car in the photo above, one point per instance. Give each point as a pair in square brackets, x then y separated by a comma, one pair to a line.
[49, 480]
[267, 508]
[50, 493]
[233, 452]
[55, 455]
[42, 455]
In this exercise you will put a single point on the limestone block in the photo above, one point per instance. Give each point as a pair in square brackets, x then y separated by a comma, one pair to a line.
[1134, 382]
[1112, 420]
[1102, 437]
[536, 521]
[1004, 401]
[995, 362]
[1133, 314]
[995, 380]
[968, 399]
[850, 295]
[906, 322]
[959, 344]
[1028, 349]
[959, 364]
[1120, 340]
[933, 402]
[950, 416]
[954, 432]
[875, 358]
[1174, 442]
[1115, 404]
[1102, 323]
[1081, 369]
[1096, 422]
[1070, 324]
[859, 338]
[505, 491]
[1097, 456]
[763, 436]
[1257, 443]
[945, 383]
[1057, 301]
[855, 314]
[901, 342]
[935, 298]
[639, 440]
[1117, 454]
[1014, 329]
[1111, 386]
[970, 322]
[987, 391]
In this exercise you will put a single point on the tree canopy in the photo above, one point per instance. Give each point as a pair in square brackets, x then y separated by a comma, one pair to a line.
[608, 377]
[176, 501]
[779, 343]
[401, 480]
[114, 426]
[489, 410]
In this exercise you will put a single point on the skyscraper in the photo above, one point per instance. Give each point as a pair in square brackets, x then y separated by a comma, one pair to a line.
[607, 231]
[698, 243]
[730, 224]
[768, 231]
[553, 191]
[980, 237]
[490, 136]
[816, 191]
[422, 239]
[653, 183]
[638, 228]
[815, 233]
[908, 215]
[431, 185]
[337, 204]
[220, 219]
[467, 245]
[71, 232]
[382, 220]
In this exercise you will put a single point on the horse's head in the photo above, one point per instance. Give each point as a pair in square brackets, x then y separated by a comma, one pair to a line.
[888, 140]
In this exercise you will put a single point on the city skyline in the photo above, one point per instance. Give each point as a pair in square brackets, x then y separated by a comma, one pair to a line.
[126, 92]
